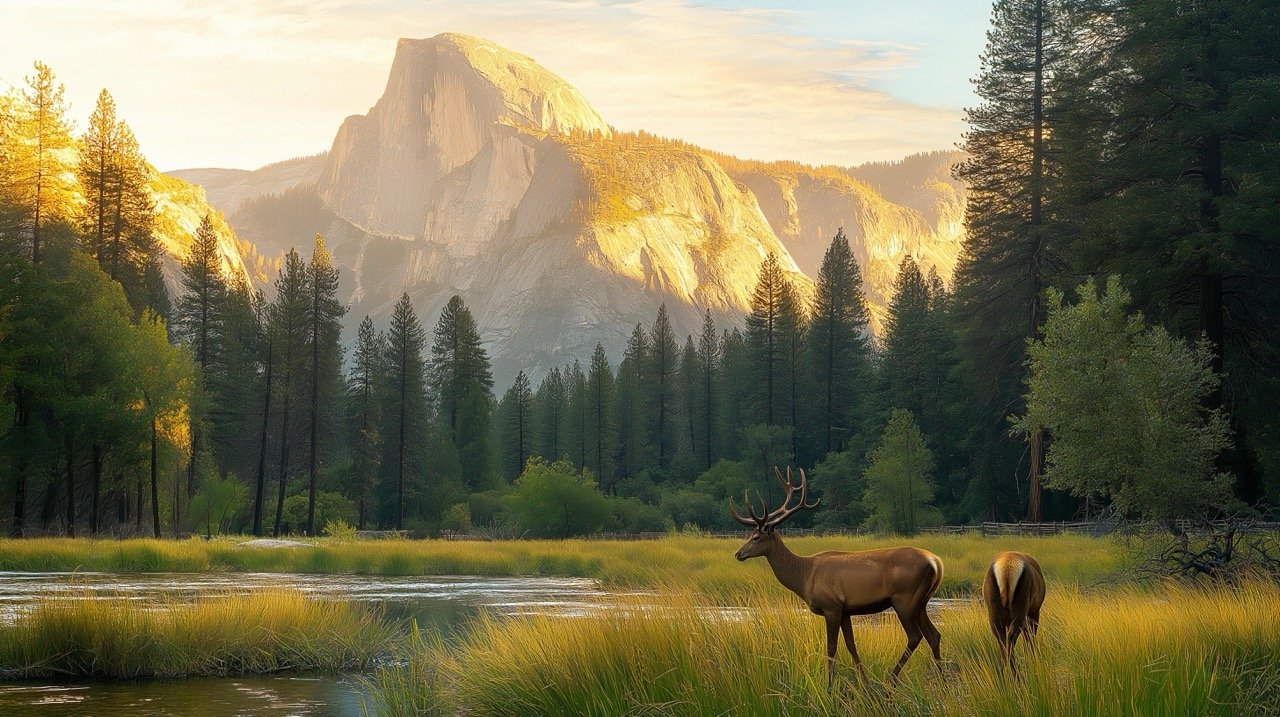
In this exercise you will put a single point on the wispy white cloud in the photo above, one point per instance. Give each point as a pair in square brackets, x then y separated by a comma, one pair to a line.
[240, 83]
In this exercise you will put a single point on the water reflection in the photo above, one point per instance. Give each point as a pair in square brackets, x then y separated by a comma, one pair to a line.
[440, 603]
[255, 696]
[444, 603]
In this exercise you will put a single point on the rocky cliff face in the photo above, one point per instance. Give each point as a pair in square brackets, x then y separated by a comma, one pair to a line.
[448, 126]
[482, 174]
[180, 207]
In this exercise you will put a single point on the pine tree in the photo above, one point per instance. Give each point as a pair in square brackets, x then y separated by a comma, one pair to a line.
[688, 442]
[324, 328]
[405, 403]
[363, 390]
[266, 357]
[599, 427]
[576, 430]
[632, 436]
[41, 171]
[289, 323]
[916, 369]
[735, 391]
[909, 363]
[661, 375]
[773, 330]
[705, 391]
[460, 379]
[517, 411]
[552, 413]
[839, 353]
[1010, 252]
[99, 157]
[201, 324]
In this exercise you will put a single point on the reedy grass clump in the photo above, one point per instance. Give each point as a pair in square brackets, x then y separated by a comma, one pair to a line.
[700, 563]
[1171, 651]
[265, 631]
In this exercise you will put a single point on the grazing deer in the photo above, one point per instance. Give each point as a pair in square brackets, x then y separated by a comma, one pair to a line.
[1013, 592]
[838, 585]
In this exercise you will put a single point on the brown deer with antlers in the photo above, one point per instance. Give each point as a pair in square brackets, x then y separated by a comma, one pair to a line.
[839, 585]
[1013, 592]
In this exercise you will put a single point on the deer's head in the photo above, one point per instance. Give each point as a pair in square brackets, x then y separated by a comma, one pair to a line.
[763, 536]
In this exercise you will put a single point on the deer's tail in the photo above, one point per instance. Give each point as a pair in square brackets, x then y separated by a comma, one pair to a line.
[1008, 570]
[936, 562]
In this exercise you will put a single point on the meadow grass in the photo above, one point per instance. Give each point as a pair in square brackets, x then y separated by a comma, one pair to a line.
[266, 631]
[700, 563]
[1163, 651]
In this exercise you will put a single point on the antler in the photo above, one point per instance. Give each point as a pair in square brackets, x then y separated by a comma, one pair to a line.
[769, 519]
[755, 521]
[786, 510]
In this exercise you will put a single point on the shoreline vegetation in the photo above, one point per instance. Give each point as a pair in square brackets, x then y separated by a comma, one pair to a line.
[268, 631]
[685, 561]
[1174, 650]
[724, 640]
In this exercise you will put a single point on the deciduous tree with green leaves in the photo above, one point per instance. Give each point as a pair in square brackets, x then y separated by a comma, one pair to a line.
[900, 478]
[1125, 406]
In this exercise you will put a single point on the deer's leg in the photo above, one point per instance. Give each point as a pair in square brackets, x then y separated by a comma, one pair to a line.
[833, 637]
[846, 626]
[1015, 628]
[1000, 629]
[933, 637]
[914, 634]
[1033, 627]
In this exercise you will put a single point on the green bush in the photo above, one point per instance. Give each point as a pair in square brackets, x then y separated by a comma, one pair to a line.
[552, 500]
[457, 518]
[632, 515]
[329, 507]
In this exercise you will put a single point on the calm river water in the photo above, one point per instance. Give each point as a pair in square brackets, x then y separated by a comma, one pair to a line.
[443, 603]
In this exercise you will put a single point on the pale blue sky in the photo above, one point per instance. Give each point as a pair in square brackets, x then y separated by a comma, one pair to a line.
[241, 83]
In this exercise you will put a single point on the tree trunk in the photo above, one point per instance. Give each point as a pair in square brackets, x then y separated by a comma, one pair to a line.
[155, 483]
[400, 453]
[1034, 499]
[260, 494]
[95, 504]
[284, 430]
[20, 488]
[177, 498]
[315, 410]
[71, 488]
[137, 510]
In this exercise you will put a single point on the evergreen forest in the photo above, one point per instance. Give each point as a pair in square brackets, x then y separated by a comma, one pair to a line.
[1109, 345]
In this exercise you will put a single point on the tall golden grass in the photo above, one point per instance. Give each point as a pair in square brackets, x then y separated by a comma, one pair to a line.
[704, 564]
[266, 631]
[1168, 651]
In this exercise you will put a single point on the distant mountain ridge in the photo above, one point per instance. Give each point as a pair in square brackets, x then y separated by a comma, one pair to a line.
[481, 173]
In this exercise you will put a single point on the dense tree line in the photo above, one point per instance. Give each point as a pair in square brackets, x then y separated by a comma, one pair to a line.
[1124, 140]
[96, 401]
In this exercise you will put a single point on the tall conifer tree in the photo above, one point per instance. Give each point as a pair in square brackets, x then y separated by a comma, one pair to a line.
[552, 421]
[289, 320]
[324, 328]
[363, 388]
[662, 387]
[838, 348]
[44, 187]
[462, 383]
[1009, 253]
[517, 409]
[601, 436]
[406, 410]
